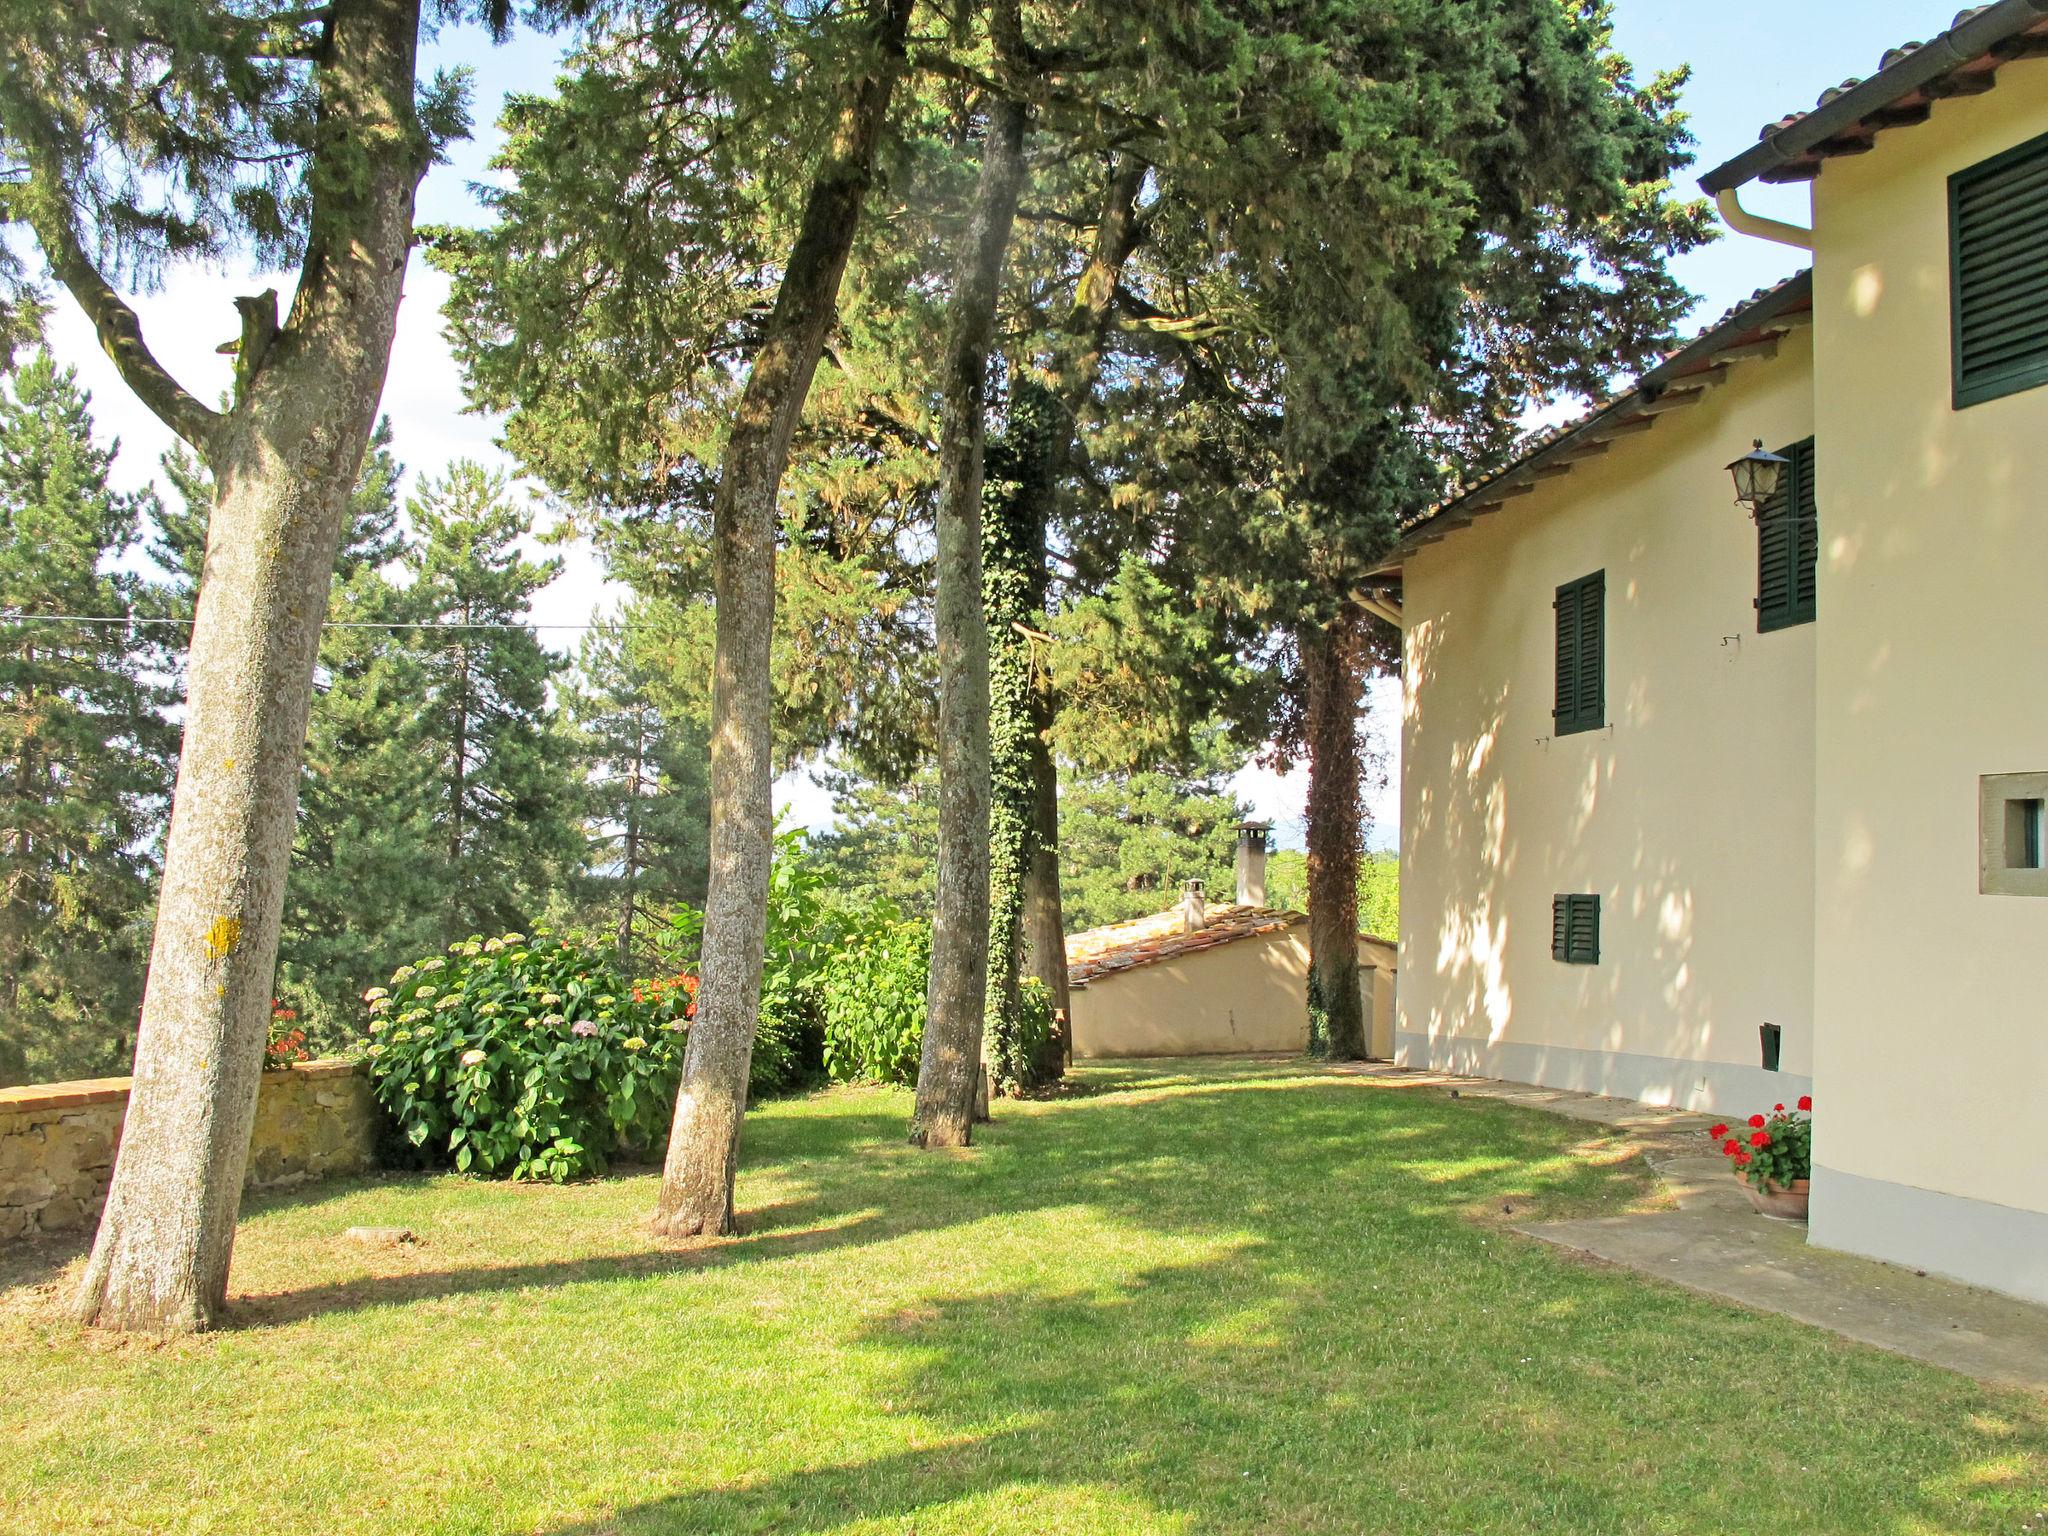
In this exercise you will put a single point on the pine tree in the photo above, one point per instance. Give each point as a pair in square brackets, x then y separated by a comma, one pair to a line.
[84, 742]
[1132, 840]
[646, 800]
[501, 788]
[153, 131]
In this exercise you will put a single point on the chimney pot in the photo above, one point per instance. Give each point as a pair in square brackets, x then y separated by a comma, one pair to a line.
[1251, 862]
[1194, 906]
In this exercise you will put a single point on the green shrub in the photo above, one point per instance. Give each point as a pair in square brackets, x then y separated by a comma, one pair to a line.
[526, 1057]
[801, 933]
[873, 996]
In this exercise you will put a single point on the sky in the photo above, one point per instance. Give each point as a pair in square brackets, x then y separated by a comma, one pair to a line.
[1752, 62]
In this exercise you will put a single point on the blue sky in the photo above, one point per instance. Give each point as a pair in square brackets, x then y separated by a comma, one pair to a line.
[1752, 60]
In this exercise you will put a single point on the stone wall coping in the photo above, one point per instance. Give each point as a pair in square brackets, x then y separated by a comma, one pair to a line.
[31, 1097]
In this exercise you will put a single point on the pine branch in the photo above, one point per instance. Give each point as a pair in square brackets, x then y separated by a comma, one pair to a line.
[119, 328]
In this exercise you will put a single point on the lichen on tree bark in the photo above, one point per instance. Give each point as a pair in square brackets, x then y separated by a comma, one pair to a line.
[284, 457]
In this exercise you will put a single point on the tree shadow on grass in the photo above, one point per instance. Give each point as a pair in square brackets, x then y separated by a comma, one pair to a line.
[1279, 1388]
[847, 1179]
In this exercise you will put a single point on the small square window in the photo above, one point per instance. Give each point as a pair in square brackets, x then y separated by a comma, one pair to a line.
[2023, 834]
[2012, 844]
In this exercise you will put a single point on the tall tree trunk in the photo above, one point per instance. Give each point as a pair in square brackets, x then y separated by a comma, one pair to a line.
[1026, 925]
[284, 459]
[1015, 505]
[949, 1073]
[1045, 928]
[1333, 673]
[703, 1146]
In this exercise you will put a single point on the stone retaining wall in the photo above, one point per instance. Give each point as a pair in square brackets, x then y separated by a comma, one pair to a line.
[57, 1140]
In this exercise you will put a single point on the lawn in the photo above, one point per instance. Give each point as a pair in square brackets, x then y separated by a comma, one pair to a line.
[1227, 1298]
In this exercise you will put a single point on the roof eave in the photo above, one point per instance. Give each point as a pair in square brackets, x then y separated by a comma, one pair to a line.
[1797, 141]
[1693, 366]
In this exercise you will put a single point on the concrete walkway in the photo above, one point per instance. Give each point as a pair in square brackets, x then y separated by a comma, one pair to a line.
[1715, 1243]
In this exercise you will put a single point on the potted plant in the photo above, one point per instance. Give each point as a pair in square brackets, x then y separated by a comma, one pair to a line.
[1773, 1157]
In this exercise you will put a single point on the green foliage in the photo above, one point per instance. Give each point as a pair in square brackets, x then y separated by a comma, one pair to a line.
[1129, 840]
[883, 844]
[646, 793]
[801, 933]
[526, 1058]
[872, 996]
[1379, 889]
[84, 745]
[501, 784]
[1770, 1149]
[1034, 1033]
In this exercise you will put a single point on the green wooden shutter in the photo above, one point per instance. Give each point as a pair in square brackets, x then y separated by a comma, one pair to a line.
[1565, 708]
[1581, 676]
[1998, 274]
[1788, 545]
[1806, 561]
[1592, 652]
[1575, 929]
[1582, 936]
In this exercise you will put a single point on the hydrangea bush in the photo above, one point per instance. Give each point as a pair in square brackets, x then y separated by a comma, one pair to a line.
[527, 1057]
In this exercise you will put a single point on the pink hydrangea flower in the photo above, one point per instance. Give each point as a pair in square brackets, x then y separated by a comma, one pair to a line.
[584, 1028]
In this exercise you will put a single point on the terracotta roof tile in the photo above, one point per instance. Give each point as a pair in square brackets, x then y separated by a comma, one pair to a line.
[1162, 936]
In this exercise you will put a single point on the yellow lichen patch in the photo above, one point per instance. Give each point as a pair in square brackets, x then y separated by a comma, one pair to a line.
[222, 935]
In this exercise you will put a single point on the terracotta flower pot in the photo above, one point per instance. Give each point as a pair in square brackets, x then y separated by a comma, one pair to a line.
[1787, 1204]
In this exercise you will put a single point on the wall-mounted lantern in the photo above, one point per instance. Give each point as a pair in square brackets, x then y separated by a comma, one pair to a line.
[1756, 477]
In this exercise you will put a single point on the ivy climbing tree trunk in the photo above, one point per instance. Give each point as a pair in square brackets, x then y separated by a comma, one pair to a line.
[1026, 927]
[284, 458]
[1333, 674]
[1045, 927]
[1015, 509]
[949, 1071]
[703, 1148]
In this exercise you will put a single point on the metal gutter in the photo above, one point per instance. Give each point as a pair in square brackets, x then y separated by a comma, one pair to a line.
[1960, 45]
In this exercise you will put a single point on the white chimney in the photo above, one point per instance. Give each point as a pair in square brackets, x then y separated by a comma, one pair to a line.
[1194, 906]
[1251, 862]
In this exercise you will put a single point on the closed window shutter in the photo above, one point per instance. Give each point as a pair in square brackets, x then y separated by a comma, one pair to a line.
[1806, 561]
[1581, 677]
[1575, 929]
[1565, 709]
[1592, 652]
[1788, 545]
[1582, 939]
[1998, 274]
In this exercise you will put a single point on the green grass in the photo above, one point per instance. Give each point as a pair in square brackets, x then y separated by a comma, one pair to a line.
[1228, 1298]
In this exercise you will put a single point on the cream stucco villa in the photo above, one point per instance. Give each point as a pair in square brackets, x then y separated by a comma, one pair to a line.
[1713, 809]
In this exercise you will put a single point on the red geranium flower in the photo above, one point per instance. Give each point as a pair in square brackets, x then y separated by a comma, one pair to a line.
[1806, 1102]
[1760, 1139]
[1742, 1158]
[1757, 1121]
[1718, 1132]
[1731, 1146]
[1779, 1108]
